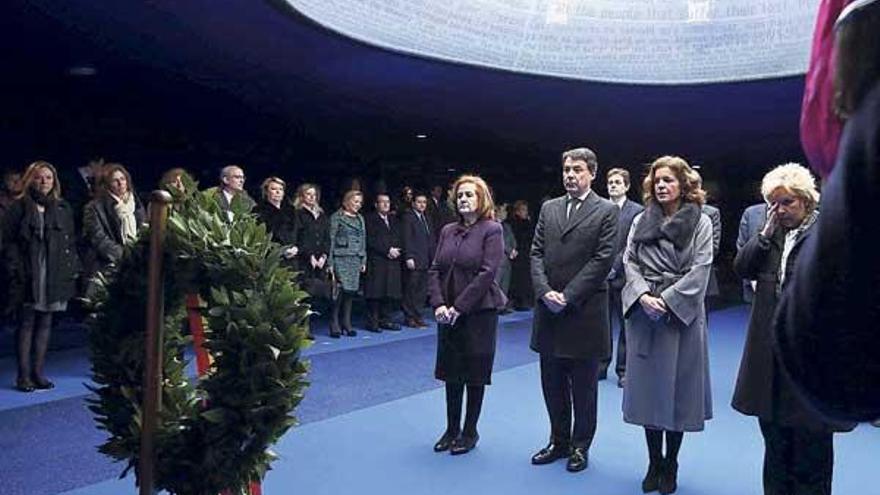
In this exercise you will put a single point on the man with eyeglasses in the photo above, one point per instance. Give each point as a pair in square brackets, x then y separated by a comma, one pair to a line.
[231, 186]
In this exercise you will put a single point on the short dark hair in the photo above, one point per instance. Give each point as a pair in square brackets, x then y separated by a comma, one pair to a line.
[622, 172]
[585, 155]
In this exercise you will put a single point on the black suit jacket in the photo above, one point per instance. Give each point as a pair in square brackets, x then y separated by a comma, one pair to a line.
[617, 276]
[418, 243]
[573, 256]
[383, 274]
[714, 214]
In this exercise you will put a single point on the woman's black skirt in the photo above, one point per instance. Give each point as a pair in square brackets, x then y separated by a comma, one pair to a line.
[466, 351]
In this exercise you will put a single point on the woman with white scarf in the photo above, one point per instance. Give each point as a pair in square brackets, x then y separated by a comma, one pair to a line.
[112, 220]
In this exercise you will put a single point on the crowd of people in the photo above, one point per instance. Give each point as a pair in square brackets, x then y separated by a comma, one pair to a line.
[588, 264]
[657, 261]
[54, 245]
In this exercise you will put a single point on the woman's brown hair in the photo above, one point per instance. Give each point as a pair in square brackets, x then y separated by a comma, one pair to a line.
[688, 180]
[485, 203]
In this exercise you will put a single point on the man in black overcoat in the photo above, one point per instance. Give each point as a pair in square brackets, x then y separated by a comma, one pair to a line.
[571, 256]
[384, 255]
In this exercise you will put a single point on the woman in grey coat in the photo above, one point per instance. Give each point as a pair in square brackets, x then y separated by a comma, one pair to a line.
[348, 258]
[667, 260]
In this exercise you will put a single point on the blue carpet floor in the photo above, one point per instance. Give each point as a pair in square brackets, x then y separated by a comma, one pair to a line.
[374, 410]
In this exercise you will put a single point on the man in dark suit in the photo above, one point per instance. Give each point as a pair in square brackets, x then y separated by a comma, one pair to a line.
[418, 246]
[231, 186]
[714, 214]
[382, 289]
[571, 256]
[617, 180]
[438, 210]
[751, 222]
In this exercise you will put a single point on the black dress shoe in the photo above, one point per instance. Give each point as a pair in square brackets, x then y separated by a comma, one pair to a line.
[463, 444]
[388, 325]
[578, 460]
[43, 384]
[668, 481]
[335, 335]
[24, 385]
[445, 441]
[372, 327]
[550, 453]
[603, 374]
[350, 333]
[651, 483]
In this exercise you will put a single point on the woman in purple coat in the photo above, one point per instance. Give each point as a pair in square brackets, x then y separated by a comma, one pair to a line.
[466, 301]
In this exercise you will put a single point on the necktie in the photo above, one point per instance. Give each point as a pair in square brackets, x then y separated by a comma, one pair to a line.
[573, 204]
[424, 223]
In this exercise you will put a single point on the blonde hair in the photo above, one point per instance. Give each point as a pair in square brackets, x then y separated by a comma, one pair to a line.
[270, 180]
[350, 195]
[301, 192]
[688, 180]
[485, 204]
[794, 178]
[28, 177]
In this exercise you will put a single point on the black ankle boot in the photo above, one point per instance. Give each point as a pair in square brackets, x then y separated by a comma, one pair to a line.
[652, 479]
[669, 477]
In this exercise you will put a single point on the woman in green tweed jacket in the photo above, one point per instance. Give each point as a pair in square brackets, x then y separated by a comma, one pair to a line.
[347, 260]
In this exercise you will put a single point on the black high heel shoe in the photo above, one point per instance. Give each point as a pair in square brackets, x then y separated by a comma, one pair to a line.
[24, 385]
[445, 441]
[41, 383]
[463, 444]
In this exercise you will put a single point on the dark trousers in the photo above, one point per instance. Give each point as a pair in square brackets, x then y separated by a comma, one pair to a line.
[797, 461]
[570, 384]
[415, 293]
[380, 311]
[615, 319]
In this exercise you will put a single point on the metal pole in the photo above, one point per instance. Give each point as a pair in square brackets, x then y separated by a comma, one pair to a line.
[159, 202]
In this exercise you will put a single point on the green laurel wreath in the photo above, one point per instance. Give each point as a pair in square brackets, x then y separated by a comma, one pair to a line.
[215, 433]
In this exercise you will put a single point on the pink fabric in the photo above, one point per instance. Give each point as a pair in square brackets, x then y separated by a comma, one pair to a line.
[820, 128]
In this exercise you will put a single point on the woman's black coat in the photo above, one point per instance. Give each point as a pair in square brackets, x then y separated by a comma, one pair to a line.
[21, 248]
[103, 232]
[762, 389]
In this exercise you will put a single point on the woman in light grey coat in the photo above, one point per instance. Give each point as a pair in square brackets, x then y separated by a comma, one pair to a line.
[667, 260]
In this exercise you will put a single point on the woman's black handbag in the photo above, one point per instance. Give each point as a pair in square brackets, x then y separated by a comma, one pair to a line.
[320, 284]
